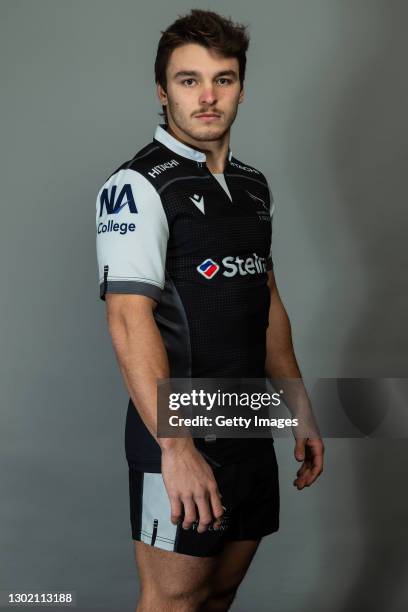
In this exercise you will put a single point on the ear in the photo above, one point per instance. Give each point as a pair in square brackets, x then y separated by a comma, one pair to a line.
[241, 95]
[161, 94]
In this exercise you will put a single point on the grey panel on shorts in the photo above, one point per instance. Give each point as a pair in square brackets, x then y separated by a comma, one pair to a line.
[156, 526]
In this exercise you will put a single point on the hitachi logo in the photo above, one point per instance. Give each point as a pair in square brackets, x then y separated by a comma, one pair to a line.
[162, 167]
[246, 168]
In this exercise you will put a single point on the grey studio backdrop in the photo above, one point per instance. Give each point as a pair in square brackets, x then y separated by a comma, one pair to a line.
[325, 119]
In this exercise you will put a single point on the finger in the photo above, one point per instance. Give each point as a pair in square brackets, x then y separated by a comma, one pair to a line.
[204, 513]
[318, 462]
[305, 469]
[176, 509]
[299, 482]
[189, 512]
[314, 473]
[300, 449]
[217, 523]
[216, 506]
[314, 468]
[308, 476]
[218, 509]
[302, 470]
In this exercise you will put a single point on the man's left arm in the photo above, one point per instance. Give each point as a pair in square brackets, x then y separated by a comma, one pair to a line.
[281, 363]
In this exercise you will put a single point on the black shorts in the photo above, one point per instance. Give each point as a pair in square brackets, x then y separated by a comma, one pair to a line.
[250, 496]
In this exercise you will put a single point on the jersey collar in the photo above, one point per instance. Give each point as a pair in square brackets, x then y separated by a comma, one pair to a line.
[169, 141]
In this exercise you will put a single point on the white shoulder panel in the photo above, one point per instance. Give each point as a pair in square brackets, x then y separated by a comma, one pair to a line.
[131, 236]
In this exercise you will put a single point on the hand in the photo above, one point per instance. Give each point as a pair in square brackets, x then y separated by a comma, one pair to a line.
[191, 486]
[310, 451]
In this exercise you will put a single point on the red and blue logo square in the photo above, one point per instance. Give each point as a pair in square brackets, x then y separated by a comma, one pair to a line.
[208, 268]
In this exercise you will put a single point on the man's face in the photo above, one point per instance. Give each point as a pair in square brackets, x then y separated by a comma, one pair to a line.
[200, 81]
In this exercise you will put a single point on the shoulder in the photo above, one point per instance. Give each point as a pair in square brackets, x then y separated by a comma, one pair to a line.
[150, 166]
[250, 173]
[129, 185]
[246, 170]
[138, 162]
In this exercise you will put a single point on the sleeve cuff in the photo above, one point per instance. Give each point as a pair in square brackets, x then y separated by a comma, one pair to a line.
[136, 287]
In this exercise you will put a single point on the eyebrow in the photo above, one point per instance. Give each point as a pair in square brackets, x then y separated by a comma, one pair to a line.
[194, 73]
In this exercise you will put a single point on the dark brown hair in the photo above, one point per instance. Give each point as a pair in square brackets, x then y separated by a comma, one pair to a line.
[204, 28]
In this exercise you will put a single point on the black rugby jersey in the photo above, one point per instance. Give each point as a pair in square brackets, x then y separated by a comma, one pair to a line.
[167, 229]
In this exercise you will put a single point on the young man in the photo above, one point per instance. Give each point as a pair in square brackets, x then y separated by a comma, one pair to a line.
[184, 253]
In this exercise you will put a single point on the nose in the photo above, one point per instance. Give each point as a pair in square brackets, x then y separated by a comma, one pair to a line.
[207, 95]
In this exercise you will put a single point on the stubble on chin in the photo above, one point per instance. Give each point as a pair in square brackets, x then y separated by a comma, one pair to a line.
[208, 135]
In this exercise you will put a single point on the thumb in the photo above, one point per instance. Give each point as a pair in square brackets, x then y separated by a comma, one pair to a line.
[300, 449]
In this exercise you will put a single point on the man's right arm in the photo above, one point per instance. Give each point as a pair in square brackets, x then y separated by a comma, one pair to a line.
[142, 359]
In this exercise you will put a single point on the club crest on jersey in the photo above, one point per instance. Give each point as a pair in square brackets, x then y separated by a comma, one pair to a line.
[256, 199]
[208, 268]
[114, 204]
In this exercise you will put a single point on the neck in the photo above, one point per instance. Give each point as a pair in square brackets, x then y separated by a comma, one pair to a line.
[216, 151]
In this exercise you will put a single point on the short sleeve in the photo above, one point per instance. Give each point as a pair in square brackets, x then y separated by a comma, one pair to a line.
[269, 261]
[131, 236]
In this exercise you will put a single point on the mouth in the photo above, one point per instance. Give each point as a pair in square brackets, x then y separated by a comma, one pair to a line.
[208, 116]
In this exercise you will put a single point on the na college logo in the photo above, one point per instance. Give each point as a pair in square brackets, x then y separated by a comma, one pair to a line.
[114, 205]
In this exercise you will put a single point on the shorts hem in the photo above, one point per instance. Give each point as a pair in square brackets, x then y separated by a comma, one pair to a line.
[186, 553]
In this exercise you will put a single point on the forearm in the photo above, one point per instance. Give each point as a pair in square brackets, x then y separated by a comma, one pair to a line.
[280, 355]
[282, 368]
[142, 359]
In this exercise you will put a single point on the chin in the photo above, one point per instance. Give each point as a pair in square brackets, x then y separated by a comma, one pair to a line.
[208, 132]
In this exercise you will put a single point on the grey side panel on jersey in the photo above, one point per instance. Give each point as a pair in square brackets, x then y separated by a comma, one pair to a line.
[172, 321]
[156, 526]
[132, 235]
[269, 263]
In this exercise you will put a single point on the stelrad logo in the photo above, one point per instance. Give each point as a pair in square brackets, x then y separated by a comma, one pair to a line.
[254, 264]
[208, 268]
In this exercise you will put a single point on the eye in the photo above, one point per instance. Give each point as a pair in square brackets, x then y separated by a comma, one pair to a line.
[226, 81]
[185, 81]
